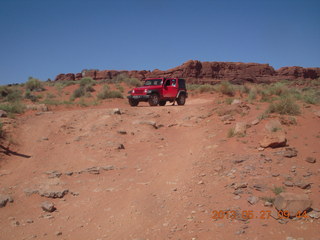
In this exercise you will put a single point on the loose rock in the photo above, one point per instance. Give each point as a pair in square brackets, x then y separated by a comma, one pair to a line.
[240, 128]
[92, 170]
[121, 146]
[4, 199]
[311, 160]
[116, 111]
[252, 200]
[288, 152]
[3, 113]
[292, 202]
[54, 193]
[48, 207]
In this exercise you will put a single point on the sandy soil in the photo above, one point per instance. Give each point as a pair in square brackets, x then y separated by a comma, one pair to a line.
[177, 166]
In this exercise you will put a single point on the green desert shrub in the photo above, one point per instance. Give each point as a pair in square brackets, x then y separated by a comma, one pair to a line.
[4, 91]
[133, 82]
[119, 87]
[87, 81]
[231, 132]
[86, 86]
[285, 106]
[14, 95]
[34, 84]
[277, 190]
[206, 88]
[79, 92]
[193, 87]
[107, 93]
[278, 88]
[252, 94]
[15, 107]
[30, 96]
[226, 88]
[311, 96]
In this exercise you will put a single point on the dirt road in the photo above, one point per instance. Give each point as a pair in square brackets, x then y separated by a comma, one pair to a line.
[148, 173]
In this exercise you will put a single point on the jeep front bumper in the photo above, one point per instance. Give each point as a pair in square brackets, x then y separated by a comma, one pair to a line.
[139, 97]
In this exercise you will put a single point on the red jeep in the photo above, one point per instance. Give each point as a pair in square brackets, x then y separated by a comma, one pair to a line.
[159, 91]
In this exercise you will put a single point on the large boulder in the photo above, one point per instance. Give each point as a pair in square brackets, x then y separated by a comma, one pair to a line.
[274, 140]
[292, 202]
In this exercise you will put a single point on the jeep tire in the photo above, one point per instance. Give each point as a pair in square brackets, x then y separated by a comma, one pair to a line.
[133, 102]
[181, 100]
[154, 99]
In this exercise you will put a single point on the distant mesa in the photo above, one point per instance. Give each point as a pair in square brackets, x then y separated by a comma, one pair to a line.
[207, 72]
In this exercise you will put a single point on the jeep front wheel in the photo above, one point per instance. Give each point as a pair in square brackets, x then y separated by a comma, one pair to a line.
[181, 100]
[154, 100]
[133, 102]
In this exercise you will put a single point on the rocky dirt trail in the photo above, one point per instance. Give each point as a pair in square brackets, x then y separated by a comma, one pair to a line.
[154, 173]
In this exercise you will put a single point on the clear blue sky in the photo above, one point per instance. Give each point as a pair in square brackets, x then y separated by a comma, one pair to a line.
[42, 38]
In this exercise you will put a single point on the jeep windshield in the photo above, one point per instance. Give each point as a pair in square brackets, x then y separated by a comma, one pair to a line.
[153, 82]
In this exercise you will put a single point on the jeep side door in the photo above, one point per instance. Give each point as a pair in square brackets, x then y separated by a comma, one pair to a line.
[170, 88]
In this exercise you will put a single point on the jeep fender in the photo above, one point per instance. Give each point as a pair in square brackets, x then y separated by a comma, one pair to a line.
[181, 92]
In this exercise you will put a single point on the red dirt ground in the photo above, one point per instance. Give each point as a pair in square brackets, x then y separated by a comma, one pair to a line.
[166, 182]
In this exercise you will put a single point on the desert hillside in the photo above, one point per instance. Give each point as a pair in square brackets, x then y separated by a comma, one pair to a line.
[235, 162]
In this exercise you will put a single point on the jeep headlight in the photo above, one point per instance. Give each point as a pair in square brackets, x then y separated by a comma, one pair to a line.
[146, 90]
[133, 91]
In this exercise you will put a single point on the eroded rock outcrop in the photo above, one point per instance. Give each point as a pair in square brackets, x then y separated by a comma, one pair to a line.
[207, 72]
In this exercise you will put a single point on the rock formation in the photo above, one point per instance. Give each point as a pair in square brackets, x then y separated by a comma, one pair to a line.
[207, 72]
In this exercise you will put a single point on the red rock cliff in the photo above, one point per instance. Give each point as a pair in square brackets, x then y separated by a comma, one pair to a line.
[202, 72]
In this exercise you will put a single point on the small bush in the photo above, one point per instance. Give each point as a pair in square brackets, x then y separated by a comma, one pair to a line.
[87, 81]
[106, 93]
[263, 115]
[275, 129]
[231, 133]
[206, 88]
[193, 87]
[30, 96]
[120, 78]
[285, 106]
[15, 107]
[244, 89]
[133, 82]
[252, 94]
[79, 92]
[56, 102]
[311, 97]
[278, 89]
[4, 91]
[34, 84]
[226, 88]
[119, 87]
[229, 101]
[14, 95]
[277, 190]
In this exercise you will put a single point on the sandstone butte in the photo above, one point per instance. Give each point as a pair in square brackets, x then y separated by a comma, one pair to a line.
[207, 72]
